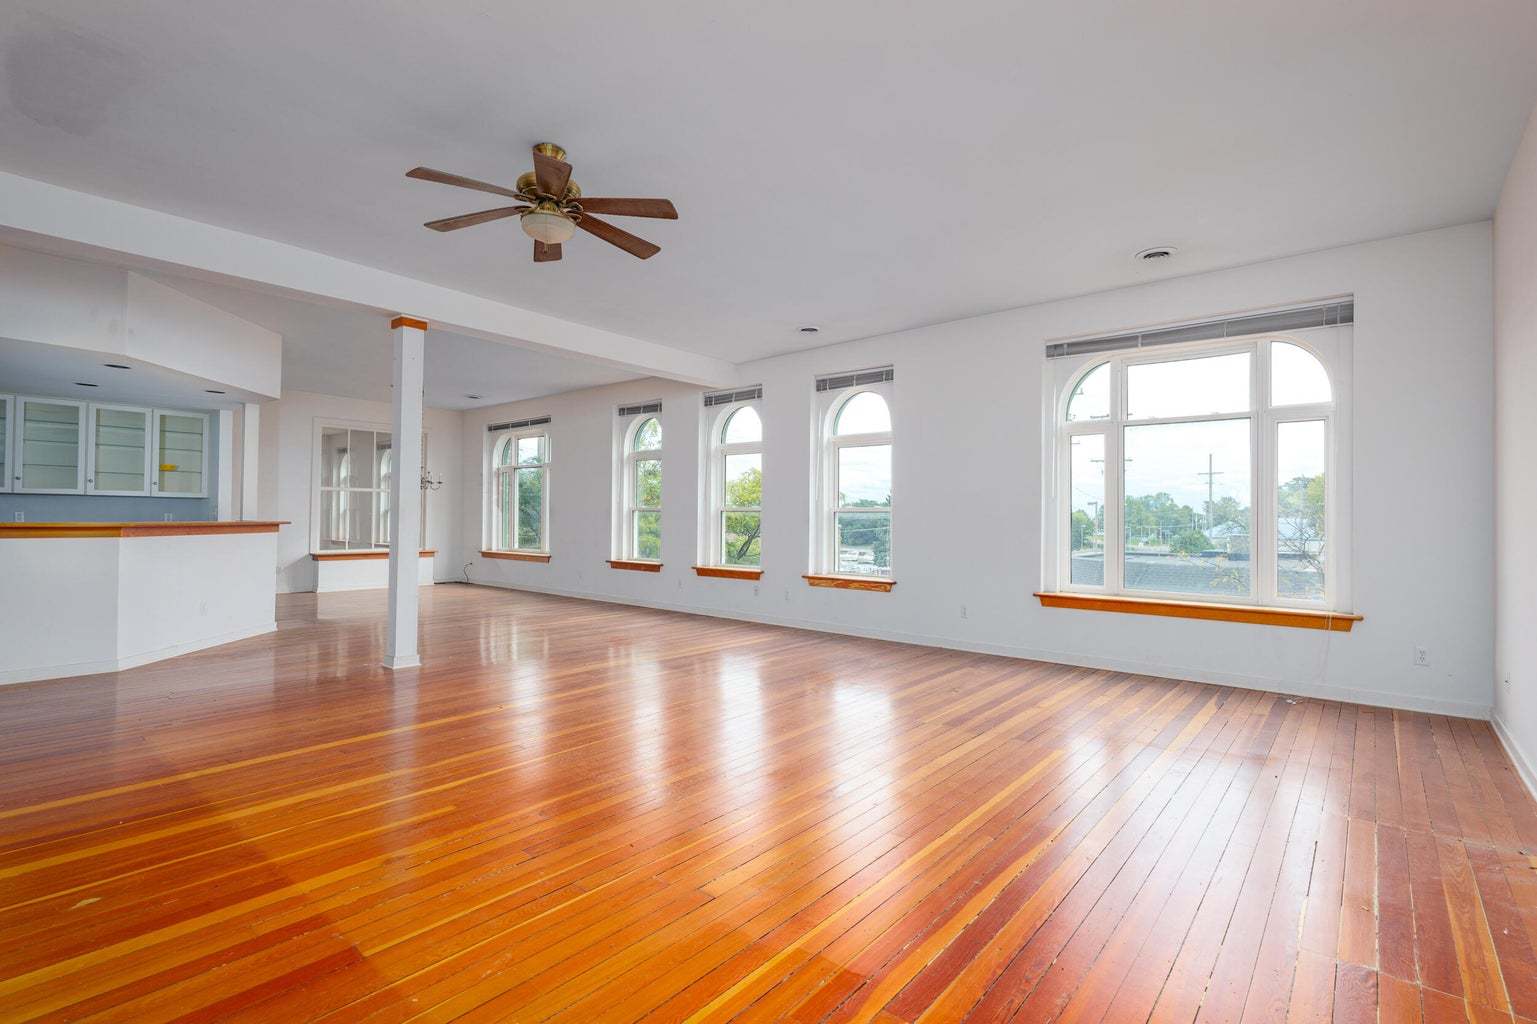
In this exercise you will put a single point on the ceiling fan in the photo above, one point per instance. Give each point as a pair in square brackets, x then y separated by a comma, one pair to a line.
[552, 207]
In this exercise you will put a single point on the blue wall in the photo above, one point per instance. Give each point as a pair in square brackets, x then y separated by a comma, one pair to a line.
[90, 508]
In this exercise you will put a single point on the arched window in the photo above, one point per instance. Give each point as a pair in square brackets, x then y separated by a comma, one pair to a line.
[642, 539]
[854, 518]
[520, 474]
[1204, 472]
[735, 526]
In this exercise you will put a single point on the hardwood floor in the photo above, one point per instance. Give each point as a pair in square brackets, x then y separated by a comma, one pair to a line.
[585, 812]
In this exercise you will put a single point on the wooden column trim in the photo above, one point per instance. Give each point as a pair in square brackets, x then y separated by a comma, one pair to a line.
[408, 321]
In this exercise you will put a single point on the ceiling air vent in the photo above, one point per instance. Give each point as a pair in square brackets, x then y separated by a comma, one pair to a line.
[518, 424]
[727, 397]
[838, 381]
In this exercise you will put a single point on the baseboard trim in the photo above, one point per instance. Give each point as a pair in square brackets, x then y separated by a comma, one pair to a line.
[1525, 767]
[91, 668]
[392, 663]
[1348, 695]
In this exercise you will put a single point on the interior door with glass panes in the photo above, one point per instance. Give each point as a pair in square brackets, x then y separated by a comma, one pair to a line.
[181, 454]
[118, 459]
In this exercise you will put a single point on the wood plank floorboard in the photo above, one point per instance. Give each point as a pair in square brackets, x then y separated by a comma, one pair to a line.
[577, 811]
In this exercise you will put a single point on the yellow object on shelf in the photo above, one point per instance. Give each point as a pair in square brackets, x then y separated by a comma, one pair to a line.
[168, 467]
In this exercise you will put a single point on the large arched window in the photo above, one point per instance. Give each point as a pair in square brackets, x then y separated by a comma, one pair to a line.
[520, 476]
[1206, 472]
[735, 526]
[642, 527]
[854, 519]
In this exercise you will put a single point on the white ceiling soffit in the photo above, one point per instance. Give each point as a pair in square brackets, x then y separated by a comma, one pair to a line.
[853, 165]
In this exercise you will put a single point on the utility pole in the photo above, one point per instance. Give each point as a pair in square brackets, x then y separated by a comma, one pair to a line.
[1211, 475]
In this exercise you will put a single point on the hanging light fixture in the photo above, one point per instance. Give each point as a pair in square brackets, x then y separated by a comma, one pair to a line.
[546, 223]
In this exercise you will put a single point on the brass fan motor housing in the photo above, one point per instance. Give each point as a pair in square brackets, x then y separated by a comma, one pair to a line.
[529, 186]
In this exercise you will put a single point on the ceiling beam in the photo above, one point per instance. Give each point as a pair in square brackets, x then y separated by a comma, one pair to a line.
[39, 215]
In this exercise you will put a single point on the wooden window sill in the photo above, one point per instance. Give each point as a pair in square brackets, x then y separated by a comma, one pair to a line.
[634, 565]
[517, 556]
[728, 572]
[1297, 618]
[182, 528]
[348, 556]
[874, 583]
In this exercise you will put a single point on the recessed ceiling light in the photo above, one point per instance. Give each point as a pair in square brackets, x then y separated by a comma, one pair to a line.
[474, 398]
[212, 391]
[809, 330]
[118, 366]
[83, 384]
[1157, 252]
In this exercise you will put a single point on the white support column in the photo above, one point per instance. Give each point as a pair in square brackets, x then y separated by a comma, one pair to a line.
[225, 507]
[250, 456]
[410, 336]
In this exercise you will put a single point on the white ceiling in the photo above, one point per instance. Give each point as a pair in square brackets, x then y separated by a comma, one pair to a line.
[54, 371]
[340, 351]
[858, 165]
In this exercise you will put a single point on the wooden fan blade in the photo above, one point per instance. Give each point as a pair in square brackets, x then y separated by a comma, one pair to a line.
[638, 247]
[546, 253]
[661, 208]
[444, 178]
[552, 174]
[471, 219]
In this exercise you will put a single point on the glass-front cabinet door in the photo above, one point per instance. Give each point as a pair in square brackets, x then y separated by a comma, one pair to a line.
[181, 454]
[6, 419]
[50, 453]
[119, 458]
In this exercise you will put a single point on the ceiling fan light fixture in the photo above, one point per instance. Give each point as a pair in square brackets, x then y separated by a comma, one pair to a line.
[545, 223]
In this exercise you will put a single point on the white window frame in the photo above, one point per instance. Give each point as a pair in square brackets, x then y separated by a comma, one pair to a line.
[1330, 345]
[8, 403]
[157, 460]
[149, 450]
[716, 509]
[320, 425]
[510, 439]
[624, 547]
[19, 411]
[825, 521]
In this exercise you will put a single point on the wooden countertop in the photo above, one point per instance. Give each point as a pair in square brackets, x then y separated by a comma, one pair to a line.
[34, 531]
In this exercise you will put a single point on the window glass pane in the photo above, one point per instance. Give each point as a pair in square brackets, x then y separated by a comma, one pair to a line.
[1301, 455]
[1087, 525]
[741, 540]
[5, 443]
[1090, 400]
[504, 452]
[1296, 376]
[122, 435]
[1188, 387]
[647, 436]
[864, 476]
[744, 481]
[865, 413]
[743, 427]
[50, 446]
[530, 450]
[864, 543]
[503, 539]
[648, 535]
[365, 458]
[1187, 508]
[334, 461]
[531, 508]
[367, 523]
[648, 483]
[181, 454]
[333, 520]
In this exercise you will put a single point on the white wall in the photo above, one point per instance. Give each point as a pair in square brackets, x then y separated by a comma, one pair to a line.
[1515, 411]
[285, 478]
[968, 435]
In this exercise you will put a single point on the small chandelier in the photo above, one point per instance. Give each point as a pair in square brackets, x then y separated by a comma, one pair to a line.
[428, 483]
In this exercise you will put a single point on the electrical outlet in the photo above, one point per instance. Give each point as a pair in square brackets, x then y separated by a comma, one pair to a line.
[168, 517]
[963, 611]
[1506, 682]
[1421, 657]
[754, 590]
[21, 517]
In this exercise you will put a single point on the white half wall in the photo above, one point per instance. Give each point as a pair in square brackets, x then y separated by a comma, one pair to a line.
[967, 472]
[1515, 416]
[286, 477]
